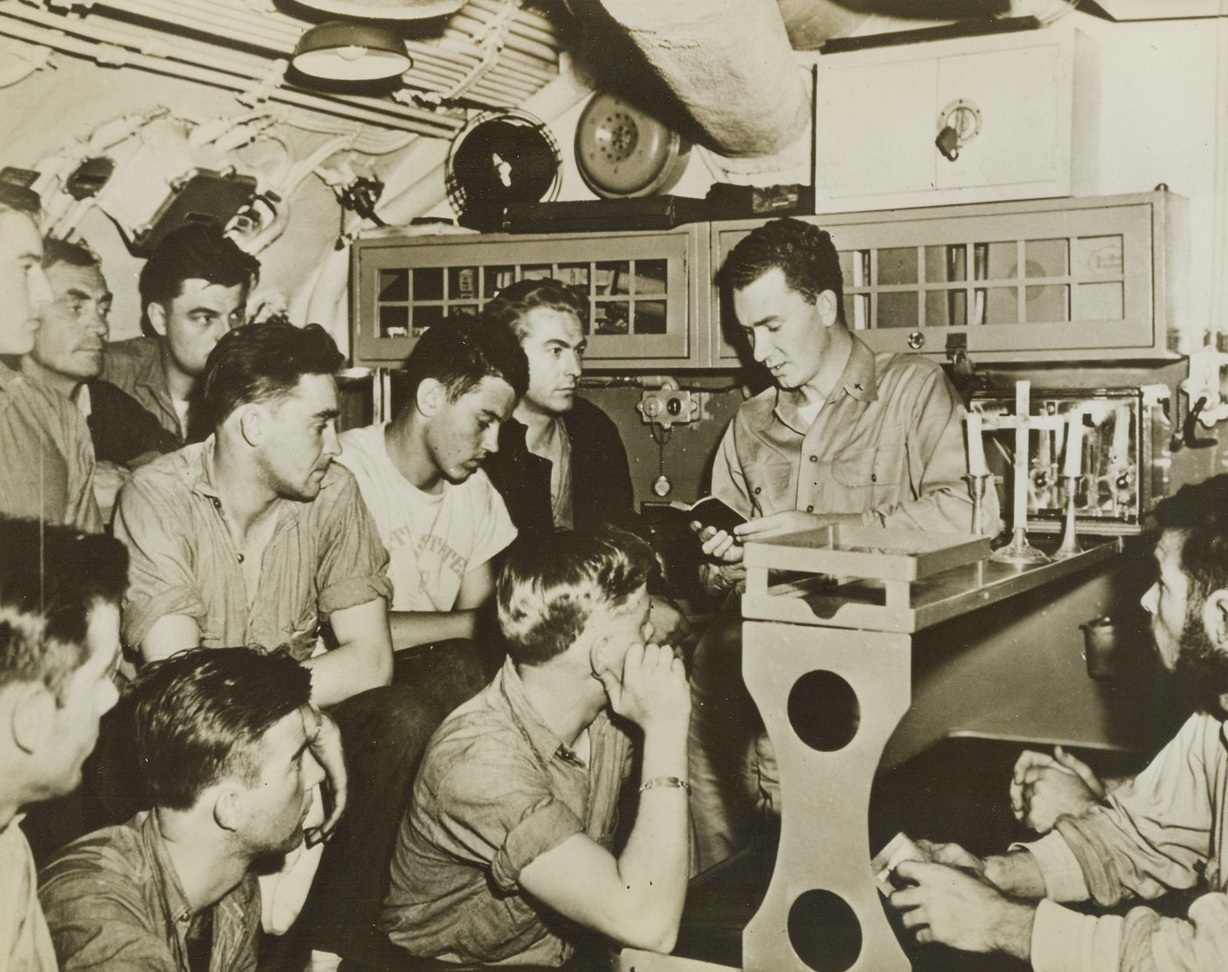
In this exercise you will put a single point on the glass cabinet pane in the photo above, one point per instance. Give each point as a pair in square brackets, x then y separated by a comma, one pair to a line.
[1098, 256]
[995, 261]
[650, 317]
[623, 281]
[495, 279]
[856, 311]
[946, 264]
[1047, 258]
[428, 283]
[897, 265]
[574, 275]
[859, 268]
[1047, 303]
[651, 276]
[393, 322]
[846, 266]
[425, 316]
[1098, 302]
[462, 283]
[603, 277]
[394, 285]
[1002, 305]
[897, 309]
[611, 317]
[946, 308]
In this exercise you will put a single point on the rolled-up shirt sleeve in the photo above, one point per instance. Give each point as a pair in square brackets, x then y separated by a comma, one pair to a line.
[504, 815]
[1059, 868]
[354, 564]
[1142, 941]
[1154, 835]
[1066, 941]
[151, 524]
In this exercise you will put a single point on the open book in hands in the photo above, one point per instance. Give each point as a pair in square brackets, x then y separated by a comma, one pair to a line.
[711, 512]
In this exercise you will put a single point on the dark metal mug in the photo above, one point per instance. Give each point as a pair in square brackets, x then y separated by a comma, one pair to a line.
[1100, 648]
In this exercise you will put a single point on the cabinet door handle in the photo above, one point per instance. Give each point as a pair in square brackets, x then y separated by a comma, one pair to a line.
[948, 143]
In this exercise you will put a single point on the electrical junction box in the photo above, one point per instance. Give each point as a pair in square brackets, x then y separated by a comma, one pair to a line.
[667, 406]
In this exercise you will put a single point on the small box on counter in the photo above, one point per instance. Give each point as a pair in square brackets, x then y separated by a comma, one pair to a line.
[728, 201]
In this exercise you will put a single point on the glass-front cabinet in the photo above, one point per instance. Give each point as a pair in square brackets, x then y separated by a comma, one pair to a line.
[1044, 280]
[1053, 279]
[642, 289]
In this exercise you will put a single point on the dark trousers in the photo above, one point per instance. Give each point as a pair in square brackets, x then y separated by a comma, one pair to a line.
[385, 732]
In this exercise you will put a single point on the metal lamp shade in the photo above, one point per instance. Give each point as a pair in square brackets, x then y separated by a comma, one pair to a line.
[340, 51]
[387, 9]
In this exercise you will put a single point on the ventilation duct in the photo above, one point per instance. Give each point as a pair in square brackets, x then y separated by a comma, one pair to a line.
[730, 64]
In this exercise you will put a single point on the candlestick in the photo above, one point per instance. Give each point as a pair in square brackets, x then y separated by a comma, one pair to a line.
[1023, 390]
[1070, 544]
[977, 484]
[1019, 551]
[1119, 454]
[1073, 463]
[976, 445]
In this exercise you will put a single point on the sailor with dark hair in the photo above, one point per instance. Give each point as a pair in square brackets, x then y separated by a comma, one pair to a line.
[194, 288]
[231, 748]
[842, 434]
[257, 536]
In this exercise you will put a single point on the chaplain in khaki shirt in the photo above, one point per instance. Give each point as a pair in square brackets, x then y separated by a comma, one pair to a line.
[841, 435]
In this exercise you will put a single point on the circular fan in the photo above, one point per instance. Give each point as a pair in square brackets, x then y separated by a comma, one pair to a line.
[497, 159]
[622, 151]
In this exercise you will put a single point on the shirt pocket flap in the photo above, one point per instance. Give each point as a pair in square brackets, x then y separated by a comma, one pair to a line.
[771, 486]
[865, 466]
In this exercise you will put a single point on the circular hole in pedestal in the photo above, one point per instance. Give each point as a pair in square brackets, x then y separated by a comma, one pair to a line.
[824, 711]
[824, 931]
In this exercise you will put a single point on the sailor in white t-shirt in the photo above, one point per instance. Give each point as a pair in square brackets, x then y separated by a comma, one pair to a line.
[434, 540]
[420, 475]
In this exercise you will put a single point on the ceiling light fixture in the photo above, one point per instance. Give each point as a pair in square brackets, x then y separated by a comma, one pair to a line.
[342, 51]
[387, 9]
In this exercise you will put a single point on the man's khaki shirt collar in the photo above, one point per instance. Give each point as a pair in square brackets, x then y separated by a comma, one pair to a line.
[858, 380]
[203, 471]
[545, 742]
[202, 476]
[173, 896]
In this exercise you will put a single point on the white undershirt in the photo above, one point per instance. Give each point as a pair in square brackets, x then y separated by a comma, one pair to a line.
[810, 411]
[181, 410]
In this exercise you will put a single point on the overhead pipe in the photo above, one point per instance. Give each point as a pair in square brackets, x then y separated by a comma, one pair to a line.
[527, 22]
[730, 64]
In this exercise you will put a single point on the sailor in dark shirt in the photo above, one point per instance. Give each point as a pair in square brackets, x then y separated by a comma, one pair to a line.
[561, 464]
